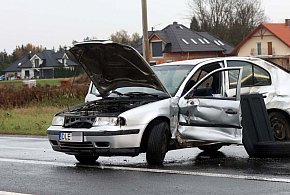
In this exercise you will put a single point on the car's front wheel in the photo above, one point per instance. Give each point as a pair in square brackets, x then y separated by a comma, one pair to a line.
[86, 159]
[157, 143]
[280, 125]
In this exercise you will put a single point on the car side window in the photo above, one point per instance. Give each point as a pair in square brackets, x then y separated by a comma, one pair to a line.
[261, 77]
[253, 75]
[212, 82]
[247, 77]
[210, 86]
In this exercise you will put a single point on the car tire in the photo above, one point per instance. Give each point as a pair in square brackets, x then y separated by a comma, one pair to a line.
[86, 159]
[280, 125]
[211, 148]
[274, 149]
[157, 146]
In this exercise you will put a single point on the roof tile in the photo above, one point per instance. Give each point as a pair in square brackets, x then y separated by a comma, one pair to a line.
[280, 30]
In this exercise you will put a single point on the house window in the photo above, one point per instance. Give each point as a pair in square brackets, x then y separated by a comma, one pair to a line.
[259, 48]
[270, 50]
[36, 62]
[157, 49]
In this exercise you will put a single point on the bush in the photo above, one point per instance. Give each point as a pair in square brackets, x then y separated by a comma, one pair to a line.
[11, 97]
[65, 73]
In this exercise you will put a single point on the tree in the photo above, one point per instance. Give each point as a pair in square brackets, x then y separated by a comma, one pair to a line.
[231, 20]
[5, 60]
[194, 25]
[122, 36]
[28, 49]
[135, 39]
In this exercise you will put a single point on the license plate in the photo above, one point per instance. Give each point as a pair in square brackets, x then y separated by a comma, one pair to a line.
[71, 136]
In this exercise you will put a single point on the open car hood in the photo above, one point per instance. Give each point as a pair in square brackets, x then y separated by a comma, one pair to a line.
[112, 65]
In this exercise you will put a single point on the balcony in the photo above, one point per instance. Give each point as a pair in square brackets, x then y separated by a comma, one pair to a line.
[264, 51]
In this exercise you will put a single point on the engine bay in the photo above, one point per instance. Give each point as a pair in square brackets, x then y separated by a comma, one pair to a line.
[83, 116]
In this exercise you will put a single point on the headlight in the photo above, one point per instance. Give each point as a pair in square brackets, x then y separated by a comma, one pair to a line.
[58, 121]
[109, 121]
[103, 121]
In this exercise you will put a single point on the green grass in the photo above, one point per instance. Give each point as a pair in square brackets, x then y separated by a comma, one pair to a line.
[13, 82]
[34, 119]
[41, 82]
[27, 121]
[35, 115]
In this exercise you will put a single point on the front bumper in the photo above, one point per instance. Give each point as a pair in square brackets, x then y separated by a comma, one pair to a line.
[112, 142]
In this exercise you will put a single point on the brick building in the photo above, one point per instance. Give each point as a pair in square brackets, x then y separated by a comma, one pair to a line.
[177, 42]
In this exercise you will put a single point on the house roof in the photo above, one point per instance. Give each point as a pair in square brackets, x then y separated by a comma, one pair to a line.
[279, 30]
[49, 57]
[71, 63]
[214, 39]
[14, 67]
[178, 38]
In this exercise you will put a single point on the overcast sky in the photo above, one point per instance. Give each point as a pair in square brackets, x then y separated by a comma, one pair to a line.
[51, 23]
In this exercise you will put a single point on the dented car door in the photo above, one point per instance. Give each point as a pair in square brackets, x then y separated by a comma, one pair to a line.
[207, 114]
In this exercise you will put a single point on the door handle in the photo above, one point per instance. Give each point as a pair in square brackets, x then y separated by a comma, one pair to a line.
[231, 111]
[194, 102]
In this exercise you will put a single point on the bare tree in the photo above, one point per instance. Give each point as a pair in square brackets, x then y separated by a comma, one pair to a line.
[231, 20]
[122, 36]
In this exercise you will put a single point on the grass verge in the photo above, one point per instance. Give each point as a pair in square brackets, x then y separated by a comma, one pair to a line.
[40, 82]
[27, 121]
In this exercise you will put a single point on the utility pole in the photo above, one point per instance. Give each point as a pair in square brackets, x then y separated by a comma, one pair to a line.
[145, 31]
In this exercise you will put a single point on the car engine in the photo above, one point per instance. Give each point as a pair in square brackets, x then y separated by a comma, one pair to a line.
[84, 115]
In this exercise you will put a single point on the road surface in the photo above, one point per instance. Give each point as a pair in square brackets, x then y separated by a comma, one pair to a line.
[29, 166]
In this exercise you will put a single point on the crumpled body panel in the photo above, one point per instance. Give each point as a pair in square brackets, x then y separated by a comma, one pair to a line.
[211, 120]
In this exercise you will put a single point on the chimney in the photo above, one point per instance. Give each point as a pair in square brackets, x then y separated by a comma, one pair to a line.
[287, 22]
[29, 55]
[175, 23]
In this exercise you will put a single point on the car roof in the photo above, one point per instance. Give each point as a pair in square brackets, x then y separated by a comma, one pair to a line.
[197, 61]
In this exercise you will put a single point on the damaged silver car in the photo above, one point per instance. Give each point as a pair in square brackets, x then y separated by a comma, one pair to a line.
[260, 77]
[149, 109]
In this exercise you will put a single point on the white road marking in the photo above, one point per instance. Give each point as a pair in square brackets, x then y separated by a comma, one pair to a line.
[11, 193]
[165, 171]
[24, 148]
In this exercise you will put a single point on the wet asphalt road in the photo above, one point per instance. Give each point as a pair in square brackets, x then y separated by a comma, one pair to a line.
[28, 165]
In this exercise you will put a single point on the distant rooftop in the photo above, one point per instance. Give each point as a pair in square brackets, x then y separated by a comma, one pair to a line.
[179, 38]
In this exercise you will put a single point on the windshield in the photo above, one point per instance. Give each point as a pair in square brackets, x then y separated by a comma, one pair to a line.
[172, 76]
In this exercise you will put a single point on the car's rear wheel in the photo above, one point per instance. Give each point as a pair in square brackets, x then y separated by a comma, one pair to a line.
[157, 146]
[280, 125]
[211, 148]
[86, 159]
